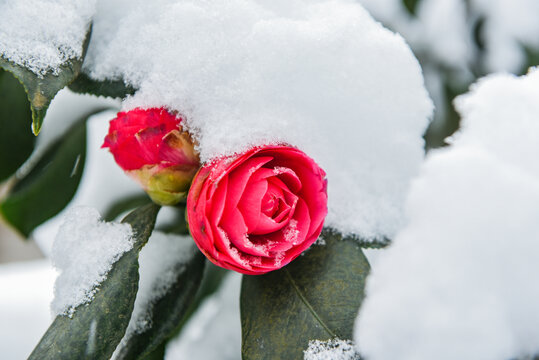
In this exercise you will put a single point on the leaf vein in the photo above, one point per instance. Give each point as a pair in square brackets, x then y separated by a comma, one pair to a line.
[308, 305]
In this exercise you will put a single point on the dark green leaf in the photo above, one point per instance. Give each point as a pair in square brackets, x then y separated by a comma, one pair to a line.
[378, 243]
[41, 90]
[532, 58]
[83, 84]
[157, 354]
[124, 205]
[16, 139]
[317, 296]
[166, 312]
[95, 329]
[449, 121]
[50, 185]
[411, 6]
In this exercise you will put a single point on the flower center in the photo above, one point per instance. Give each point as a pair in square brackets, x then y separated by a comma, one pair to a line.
[276, 203]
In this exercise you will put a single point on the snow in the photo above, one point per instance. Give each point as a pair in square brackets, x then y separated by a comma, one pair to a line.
[214, 331]
[41, 35]
[161, 261]
[334, 349]
[320, 75]
[460, 270]
[83, 252]
[26, 290]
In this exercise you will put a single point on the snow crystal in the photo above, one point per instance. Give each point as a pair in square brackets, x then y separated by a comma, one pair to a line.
[84, 251]
[460, 270]
[160, 261]
[43, 34]
[214, 331]
[334, 349]
[320, 75]
[291, 232]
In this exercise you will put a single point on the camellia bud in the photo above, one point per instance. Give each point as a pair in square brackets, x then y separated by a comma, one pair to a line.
[151, 147]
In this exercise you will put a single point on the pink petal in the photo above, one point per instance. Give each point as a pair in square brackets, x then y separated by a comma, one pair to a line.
[239, 178]
[235, 231]
[251, 202]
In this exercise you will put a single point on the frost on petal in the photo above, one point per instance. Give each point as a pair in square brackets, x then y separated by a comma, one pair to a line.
[83, 252]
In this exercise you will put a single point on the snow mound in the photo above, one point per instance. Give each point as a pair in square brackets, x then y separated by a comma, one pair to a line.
[41, 35]
[460, 270]
[319, 75]
[83, 252]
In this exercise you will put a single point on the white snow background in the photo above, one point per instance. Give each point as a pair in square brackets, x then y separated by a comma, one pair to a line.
[460, 281]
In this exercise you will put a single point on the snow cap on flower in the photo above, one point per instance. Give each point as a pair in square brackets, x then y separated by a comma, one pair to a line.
[151, 147]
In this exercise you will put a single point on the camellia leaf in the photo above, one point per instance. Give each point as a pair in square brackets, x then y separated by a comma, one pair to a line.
[317, 296]
[16, 141]
[125, 204]
[83, 84]
[51, 183]
[410, 5]
[41, 90]
[378, 243]
[96, 328]
[166, 312]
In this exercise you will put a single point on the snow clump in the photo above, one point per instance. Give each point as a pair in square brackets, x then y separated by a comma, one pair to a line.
[41, 35]
[83, 252]
[460, 270]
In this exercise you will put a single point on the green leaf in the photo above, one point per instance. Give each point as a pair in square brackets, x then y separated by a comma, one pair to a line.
[95, 329]
[83, 84]
[125, 204]
[166, 312]
[411, 6]
[16, 141]
[532, 58]
[377, 243]
[317, 296]
[157, 354]
[41, 90]
[50, 185]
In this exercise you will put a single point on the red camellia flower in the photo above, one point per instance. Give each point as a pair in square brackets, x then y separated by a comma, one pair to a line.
[150, 146]
[256, 212]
